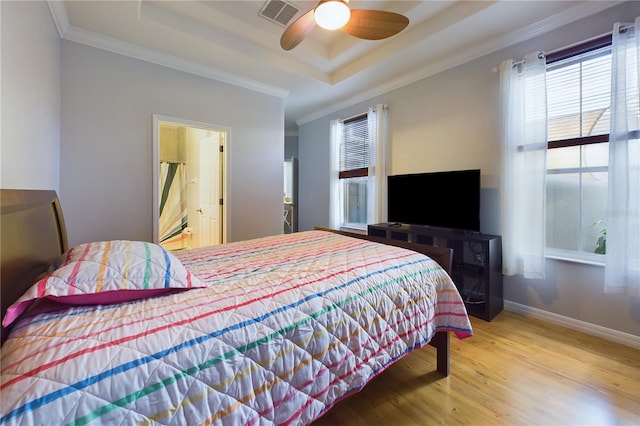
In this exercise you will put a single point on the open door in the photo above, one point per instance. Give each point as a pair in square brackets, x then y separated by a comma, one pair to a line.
[190, 208]
[204, 186]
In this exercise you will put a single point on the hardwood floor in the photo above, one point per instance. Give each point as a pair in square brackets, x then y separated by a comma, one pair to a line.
[514, 371]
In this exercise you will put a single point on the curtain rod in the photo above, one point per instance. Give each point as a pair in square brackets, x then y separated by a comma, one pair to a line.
[623, 28]
[560, 49]
[541, 55]
[354, 118]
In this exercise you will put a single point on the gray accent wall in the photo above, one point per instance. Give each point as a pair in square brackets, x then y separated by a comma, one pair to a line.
[291, 145]
[108, 101]
[30, 139]
[450, 121]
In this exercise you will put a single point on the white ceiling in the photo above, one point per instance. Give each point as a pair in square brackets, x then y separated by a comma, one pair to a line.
[229, 41]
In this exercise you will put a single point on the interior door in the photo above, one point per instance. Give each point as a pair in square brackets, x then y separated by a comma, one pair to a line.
[210, 200]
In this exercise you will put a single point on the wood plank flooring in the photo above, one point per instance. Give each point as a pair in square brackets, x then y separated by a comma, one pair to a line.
[515, 370]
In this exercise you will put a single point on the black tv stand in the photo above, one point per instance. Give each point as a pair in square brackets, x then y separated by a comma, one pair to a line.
[477, 262]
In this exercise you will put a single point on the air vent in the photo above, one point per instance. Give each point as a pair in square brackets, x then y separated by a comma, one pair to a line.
[278, 11]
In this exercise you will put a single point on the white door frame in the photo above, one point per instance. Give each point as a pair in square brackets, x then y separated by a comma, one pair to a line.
[157, 118]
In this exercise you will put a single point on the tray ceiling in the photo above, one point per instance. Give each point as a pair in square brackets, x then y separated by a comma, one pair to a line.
[230, 41]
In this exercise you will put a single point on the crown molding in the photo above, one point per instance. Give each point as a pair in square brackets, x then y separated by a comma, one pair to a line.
[59, 14]
[89, 38]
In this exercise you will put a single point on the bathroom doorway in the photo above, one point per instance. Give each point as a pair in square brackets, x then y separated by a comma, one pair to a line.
[189, 183]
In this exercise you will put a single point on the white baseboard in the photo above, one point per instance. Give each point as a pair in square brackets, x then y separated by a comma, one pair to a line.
[585, 327]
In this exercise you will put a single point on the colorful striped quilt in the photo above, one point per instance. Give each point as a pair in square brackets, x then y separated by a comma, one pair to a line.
[286, 327]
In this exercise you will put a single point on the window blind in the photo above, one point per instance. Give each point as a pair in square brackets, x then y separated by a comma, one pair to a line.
[579, 97]
[354, 149]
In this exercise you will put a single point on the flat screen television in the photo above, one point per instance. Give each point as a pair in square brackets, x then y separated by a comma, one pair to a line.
[442, 199]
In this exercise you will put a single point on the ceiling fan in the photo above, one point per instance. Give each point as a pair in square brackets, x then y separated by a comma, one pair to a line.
[335, 14]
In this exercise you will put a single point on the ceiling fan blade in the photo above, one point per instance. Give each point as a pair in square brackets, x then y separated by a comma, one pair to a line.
[296, 32]
[375, 24]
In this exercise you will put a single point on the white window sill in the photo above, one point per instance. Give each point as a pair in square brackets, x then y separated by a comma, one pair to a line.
[354, 230]
[575, 257]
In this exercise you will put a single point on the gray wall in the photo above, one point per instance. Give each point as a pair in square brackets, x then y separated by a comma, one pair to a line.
[30, 139]
[108, 101]
[291, 145]
[450, 121]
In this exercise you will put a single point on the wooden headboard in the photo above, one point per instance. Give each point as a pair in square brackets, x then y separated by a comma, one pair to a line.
[32, 236]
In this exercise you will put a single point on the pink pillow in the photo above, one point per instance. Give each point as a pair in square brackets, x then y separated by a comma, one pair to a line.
[108, 272]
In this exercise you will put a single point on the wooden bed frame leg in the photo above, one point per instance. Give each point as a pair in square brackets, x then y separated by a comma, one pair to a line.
[440, 341]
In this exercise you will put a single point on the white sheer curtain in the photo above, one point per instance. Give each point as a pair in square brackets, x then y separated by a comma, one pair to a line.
[335, 213]
[524, 156]
[377, 181]
[622, 271]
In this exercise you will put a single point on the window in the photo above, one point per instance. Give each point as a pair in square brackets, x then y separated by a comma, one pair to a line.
[559, 162]
[354, 157]
[578, 108]
[358, 172]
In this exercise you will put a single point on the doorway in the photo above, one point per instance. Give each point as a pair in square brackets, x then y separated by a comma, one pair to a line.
[189, 183]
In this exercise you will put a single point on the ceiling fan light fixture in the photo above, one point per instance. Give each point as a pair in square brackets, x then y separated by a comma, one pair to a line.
[332, 14]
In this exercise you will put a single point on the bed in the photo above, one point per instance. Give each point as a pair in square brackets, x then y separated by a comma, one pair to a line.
[274, 330]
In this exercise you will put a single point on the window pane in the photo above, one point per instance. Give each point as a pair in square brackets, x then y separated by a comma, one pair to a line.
[563, 211]
[592, 155]
[595, 155]
[594, 210]
[355, 201]
[354, 149]
[562, 158]
[596, 98]
[578, 96]
[576, 209]
[563, 102]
